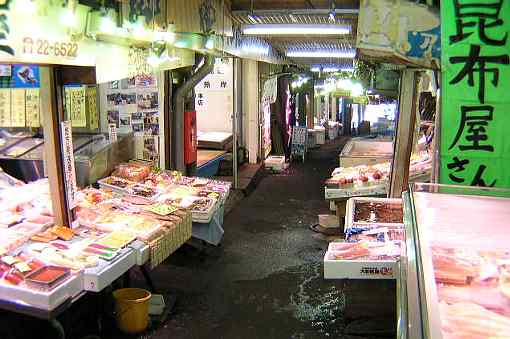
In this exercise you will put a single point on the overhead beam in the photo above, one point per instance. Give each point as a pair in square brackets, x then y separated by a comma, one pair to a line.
[263, 12]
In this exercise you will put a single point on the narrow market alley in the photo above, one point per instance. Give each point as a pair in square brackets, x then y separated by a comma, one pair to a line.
[266, 280]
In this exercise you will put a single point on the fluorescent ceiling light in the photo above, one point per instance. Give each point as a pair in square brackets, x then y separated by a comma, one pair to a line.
[295, 29]
[348, 54]
[252, 18]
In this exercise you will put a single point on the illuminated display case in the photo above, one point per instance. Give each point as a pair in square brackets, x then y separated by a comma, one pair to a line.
[454, 276]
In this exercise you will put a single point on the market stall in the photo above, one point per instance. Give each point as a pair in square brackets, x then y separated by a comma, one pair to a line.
[454, 276]
[214, 104]
[44, 265]
[204, 197]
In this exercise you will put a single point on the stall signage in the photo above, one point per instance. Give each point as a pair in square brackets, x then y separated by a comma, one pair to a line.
[68, 158]
[401, 30]
[475, 145]
[270, 90]
[44, 40]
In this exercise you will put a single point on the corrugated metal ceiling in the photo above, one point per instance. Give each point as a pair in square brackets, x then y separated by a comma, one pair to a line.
[313, 12]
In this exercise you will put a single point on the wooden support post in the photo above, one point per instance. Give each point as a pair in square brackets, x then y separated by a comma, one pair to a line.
[53, 155]
[405, 131]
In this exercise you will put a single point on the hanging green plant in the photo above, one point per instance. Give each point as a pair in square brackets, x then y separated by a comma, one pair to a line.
[364, 72]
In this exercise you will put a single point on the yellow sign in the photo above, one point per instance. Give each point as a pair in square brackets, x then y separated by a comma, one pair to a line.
[17, 107]
[5, 107]
[341, 93]
[32, 105]
[360, 100]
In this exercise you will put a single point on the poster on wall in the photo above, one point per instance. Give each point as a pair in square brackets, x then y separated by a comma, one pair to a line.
[113, 117]
[148, 101]
[5, 107]
[125, 123]
[145, 80]
[25, 76]
[75, 106]
[151, 123]
[475, 147]
[91, 104]
[32, 107]
[17, 107]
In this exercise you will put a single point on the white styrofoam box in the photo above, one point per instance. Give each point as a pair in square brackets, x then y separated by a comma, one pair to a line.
[275, 162]
[45, 300]
[351, 205]
[156, 304]
[360, 269]
[97, 278]
[337, 193]
[332, 132]
[328, 220]
[320, 137]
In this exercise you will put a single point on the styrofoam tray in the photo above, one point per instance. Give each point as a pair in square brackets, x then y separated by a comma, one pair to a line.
[360, 269]
[97, 278]
[103, 184]
[351, 204]
[46, 300]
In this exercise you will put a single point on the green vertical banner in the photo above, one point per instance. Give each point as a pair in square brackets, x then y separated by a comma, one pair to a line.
[475, 91]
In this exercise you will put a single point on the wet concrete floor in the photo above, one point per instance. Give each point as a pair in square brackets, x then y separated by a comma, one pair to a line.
[266, 280]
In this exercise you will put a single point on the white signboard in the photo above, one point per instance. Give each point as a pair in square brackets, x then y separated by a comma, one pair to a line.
[68, 158]
[270, 90]
[112, 132]
[214, 100]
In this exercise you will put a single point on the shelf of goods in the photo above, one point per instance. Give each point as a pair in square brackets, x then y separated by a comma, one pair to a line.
[370, 180]
[374, 241]
[203, 196]
[45, 266]
[455, 277]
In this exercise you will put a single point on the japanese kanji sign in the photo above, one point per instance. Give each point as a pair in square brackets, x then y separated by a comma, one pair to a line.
[475, 120]
[68, 158]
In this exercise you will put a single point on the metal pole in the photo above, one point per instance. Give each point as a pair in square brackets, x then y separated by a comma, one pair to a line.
[234, 121]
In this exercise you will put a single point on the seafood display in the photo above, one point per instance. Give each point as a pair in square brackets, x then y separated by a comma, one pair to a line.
[372, 175]
[374, 212]
[370, 250]
[467, 238]
[201, 195]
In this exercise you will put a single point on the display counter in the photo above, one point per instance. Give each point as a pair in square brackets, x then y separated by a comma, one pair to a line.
[370, 180]
[204, 197]
[214, 140]
[454, 277]
[374, 241]
[44, 267]
[208, 162]
[361, 151]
